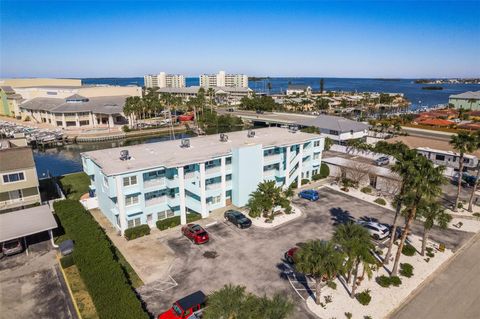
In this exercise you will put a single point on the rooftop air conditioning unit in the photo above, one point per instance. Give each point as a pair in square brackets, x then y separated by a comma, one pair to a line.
[251, 133]
[124, 156]
[185, 143]
[293, 129]
[223, 137]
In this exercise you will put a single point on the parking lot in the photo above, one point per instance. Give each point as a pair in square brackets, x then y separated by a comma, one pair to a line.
[254, 257]
[32, 287]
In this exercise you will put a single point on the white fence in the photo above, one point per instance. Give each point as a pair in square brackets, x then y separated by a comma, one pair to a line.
[361, 153]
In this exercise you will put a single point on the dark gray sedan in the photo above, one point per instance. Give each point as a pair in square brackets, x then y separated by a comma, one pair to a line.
[237, 218]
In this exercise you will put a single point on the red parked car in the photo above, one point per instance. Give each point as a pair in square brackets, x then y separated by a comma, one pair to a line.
[290, 255]
[195, 233]
[186, 308]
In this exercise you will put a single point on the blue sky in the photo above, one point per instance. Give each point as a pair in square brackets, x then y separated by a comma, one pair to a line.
[277, 38]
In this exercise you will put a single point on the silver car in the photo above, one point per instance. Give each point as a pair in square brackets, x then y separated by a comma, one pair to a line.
[382, 161]
[12, 247]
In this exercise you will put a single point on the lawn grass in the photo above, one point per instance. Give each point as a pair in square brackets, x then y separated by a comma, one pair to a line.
[80, 293]
[75, 185]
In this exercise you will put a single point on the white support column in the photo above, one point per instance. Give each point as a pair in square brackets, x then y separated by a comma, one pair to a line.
[223, 182]
[287, 167]
[110, 121]
[94, 120]
[64, 123]
[203, 196]
[300, 162]
[77, 120]
[181, 187]
[122, 214]
[92, 123]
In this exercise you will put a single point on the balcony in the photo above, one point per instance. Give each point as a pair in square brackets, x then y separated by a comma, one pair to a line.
[272, 158]
[214, 170]
[213, 186]
[154, 182]
[155, 201]
[28, 200]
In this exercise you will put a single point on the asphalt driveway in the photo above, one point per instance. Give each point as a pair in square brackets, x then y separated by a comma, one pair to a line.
[254, 257]
[32, 287]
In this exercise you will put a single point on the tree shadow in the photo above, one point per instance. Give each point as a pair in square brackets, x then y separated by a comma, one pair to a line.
[341, 216]
[287, 271]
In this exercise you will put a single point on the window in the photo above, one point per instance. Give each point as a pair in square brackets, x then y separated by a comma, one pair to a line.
[439, 157]
[129, 181]
[13, 177]
[105, 181]
[332, 132]
[316, 143]
[165, 214]
[131, 200]
[215, 199]
[134, 222]
[228, 161]
[316, 155]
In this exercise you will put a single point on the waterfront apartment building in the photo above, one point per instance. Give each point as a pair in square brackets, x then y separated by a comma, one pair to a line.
[9, 101]
[163, 80]
[144, 183]
[19, 182]
[222, 95]
[467, 101]
[222, 79]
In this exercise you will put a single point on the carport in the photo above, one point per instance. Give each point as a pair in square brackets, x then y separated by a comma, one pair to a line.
[26, 222]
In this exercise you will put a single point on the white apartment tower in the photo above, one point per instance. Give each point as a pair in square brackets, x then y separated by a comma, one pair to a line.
[164, 80]
[224, 80]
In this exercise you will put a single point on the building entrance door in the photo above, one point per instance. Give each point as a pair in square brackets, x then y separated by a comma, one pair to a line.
[150, 220]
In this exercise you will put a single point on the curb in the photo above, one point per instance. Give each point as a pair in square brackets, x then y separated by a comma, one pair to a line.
[432, 276]
[74, 302]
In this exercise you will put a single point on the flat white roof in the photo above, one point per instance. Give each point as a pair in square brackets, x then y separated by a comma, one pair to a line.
[202, 148]
[26, 222]
[377, 170]
[431, 150]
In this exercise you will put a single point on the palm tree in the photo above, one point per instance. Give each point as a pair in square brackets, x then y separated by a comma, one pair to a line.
[225, 303]
[463, 143]
[320, 260]
[432, 213]
[328, 143]
[356, 244]
[279, 307]
[423, 181]
[402, 167]
[475, 185]
[265, 198]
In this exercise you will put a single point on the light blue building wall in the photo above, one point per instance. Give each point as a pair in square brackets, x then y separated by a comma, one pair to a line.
[145, 195]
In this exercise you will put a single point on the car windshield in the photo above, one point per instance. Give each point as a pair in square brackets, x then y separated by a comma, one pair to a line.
[202, 234]
[197, 228]
[10, 244]
[177, 309]
[243, 220]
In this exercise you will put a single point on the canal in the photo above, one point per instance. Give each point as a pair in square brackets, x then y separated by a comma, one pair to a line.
[66, 159]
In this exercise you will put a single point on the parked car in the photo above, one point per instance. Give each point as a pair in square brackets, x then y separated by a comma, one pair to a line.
[382, 161]
[260, 112]
[376, 230]
[230, 109]
[237, 218]
[309, 194]
[188, 307]
[467, 180]
[12, 247]
[195, 233]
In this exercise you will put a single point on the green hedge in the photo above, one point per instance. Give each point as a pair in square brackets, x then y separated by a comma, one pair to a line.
[175, 221]
[305, 181]
[364, 297]
[67, 261]
[136, 232]
[104, 277]
[324, 170]
[406, 270]
[408, 250]
[380, 201]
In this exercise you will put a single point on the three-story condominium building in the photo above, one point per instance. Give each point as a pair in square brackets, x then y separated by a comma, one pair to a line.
[144, 183]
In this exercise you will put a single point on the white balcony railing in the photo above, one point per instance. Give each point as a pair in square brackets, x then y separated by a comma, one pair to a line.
[20, 201]
[156, 201]
[154, 182]
[213, 186]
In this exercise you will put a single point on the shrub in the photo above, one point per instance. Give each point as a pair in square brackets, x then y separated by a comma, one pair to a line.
[367, 317]
[136, 232]
[126, 129]
[332, 284]
[380, 201]
[328, 299]
[406, 270]
[476, 215]
[324, 170]
[175, 221]
[383, 281]
[366, 190]
[67, 261]
[364, 297]
[27, 118]
[348, 315]
[316, 177]
[99, 268]
[395, 280]
[305, 181]
[408, 250]
[460, 205]
[430, 254]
